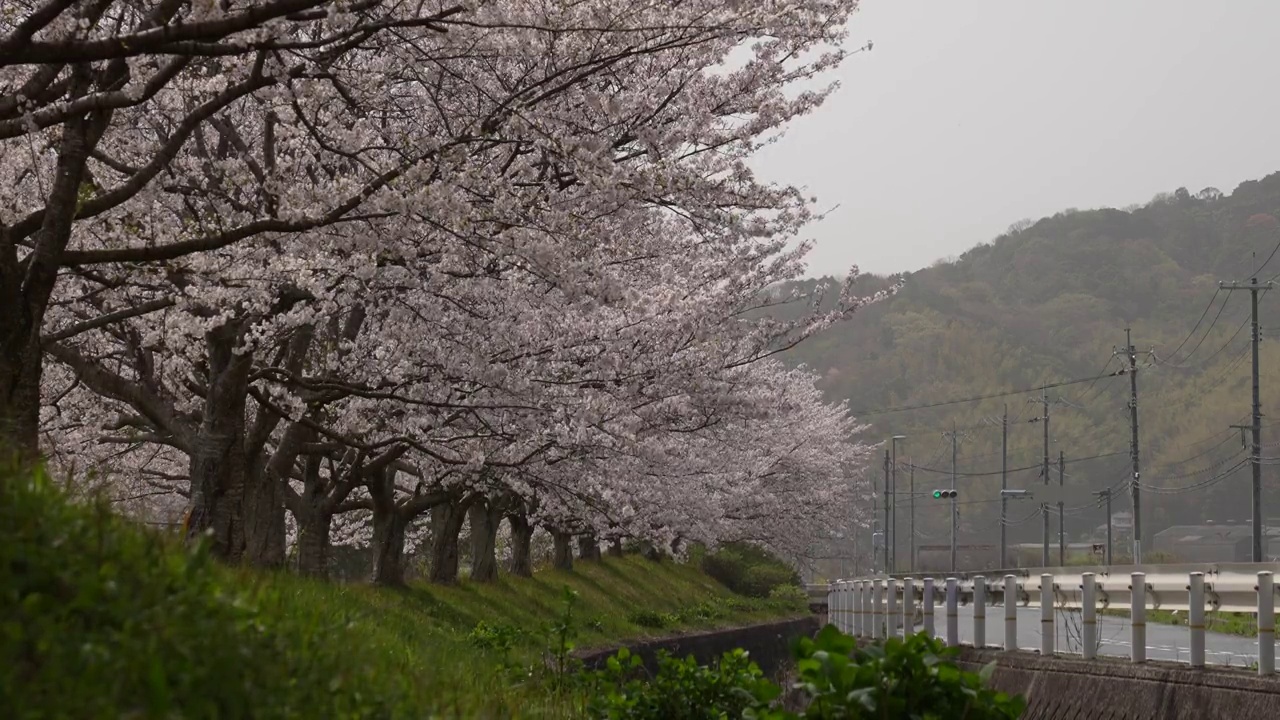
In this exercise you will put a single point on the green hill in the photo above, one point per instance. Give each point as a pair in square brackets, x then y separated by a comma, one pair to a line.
[1049, 301]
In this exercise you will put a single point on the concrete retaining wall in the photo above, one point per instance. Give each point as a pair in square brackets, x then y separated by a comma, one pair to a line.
[1107, 689]
[769, 645]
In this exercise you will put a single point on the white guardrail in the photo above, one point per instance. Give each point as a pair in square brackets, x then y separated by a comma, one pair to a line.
[881, 606]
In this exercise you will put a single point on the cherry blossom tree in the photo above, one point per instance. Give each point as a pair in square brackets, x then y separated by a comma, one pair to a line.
[472, 263]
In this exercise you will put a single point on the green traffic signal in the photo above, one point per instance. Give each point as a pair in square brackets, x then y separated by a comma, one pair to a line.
[937, 494]
[941, 494]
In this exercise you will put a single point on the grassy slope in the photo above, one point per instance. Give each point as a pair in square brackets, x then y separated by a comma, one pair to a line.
[427, 631]
[101, 619]
[609, 592]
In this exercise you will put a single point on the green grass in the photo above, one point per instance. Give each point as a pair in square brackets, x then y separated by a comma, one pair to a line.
[1228, 623]
[615, 599]
[101, 619]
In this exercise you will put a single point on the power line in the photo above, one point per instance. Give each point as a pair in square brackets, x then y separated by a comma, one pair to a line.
[1204, 337]
[976, 398]
[1200, 485]
[1205, 363]
[1191, 334]
[1101, 374]
[1255, 273]
[1037, 466]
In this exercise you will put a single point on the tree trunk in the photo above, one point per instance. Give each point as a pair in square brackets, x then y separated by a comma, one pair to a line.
[651, 552]
[27, 284]
[588, 548]
[615, 547]
[521, 546]
[314, 524]
[20, 370]
[562, 558]
[388, 544]
[446, 523]
[264, 526]
[388, 530]
[218, 462]
[484, 541]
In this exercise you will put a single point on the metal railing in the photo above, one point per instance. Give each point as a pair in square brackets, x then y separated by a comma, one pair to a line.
[877, 607]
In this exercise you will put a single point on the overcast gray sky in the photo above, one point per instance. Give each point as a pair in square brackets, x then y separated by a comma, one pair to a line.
[967, 116]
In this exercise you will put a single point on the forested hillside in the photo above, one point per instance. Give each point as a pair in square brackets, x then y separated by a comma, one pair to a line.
[1049, 301]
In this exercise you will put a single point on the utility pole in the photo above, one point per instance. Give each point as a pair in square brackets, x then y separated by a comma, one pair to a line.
[1004, 485]
[1136, 489]
[1256, 456]
[912, 501]
[1044, 472]
[887, 502]
[893, 529]
[1062, 535]
[893, 483]
[954, 511]
[853, 526]
[1107, 494]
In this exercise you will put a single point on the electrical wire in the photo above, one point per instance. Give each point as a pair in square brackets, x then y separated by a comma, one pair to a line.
[1205, 363]
[976, 398]
[1225, 302]
[1200, 485]
[1037, 466]
[1218, 380]
[1034, 514]
[1081, 400]
[1255, 273]
[1197, 325]
[1229, 434]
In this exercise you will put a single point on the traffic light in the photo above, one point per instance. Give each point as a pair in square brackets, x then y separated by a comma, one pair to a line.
[944, 494]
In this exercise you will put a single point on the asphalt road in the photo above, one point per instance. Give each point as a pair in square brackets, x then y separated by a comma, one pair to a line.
[1164, 642]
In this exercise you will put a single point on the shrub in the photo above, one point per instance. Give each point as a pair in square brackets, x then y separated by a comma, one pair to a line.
[681, 690]
[789, 595]
[913, 678]
[495, 637]
[650, 619]
[749, 570]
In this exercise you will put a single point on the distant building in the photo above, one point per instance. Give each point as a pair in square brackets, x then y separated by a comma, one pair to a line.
[1208, 543]
[1121, 529]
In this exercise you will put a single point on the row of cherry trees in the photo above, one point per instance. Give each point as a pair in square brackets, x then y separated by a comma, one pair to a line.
[324, 270]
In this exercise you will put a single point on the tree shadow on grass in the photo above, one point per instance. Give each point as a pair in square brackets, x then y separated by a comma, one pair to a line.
[422, 599]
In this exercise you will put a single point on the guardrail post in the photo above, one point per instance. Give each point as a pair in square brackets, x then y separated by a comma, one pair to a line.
[1047, 629]
[855, 602]
[926, 607]
[979, 611]
[1010, 612]
[1266, 624]
[839, 609]
[868, 607]
[849, 607]
[908, 607]
[833, 597]
[1089, 619]
[1195, 618]
[1138, 616]
[891, 608]
[953, 613]
[877, 608]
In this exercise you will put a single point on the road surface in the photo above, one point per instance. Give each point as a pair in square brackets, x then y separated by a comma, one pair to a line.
[1164, 642]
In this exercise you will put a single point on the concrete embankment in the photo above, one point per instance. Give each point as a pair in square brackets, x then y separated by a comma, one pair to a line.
[1114, 689]
[768, 644]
